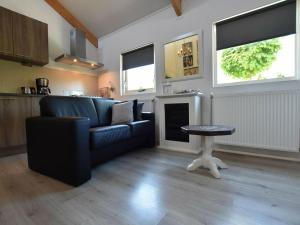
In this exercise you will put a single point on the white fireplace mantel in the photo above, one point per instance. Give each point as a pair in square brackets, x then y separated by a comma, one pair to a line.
[180, 95]
[194, 105]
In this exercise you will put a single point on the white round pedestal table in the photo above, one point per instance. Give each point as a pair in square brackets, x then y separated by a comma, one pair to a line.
[206, 160]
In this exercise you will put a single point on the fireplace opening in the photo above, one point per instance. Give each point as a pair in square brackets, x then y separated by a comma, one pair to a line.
[176, 116]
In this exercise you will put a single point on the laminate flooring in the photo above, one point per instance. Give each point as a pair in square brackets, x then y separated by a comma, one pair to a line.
[152, 187]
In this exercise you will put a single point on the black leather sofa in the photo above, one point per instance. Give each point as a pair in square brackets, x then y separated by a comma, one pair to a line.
[73, 134]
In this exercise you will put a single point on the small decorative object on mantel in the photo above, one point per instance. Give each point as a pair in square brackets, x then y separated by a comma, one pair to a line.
[188, 91]
[167, 88]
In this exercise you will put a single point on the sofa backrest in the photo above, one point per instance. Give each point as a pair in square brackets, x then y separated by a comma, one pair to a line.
[57, 106]
[104, 110]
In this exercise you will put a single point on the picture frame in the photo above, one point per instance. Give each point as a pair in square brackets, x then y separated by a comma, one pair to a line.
[186, 61]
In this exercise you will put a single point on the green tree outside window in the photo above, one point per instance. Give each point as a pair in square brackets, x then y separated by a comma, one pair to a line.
[247, 61]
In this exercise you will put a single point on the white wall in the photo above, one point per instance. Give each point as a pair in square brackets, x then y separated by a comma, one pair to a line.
[163, 26]
[58, 30]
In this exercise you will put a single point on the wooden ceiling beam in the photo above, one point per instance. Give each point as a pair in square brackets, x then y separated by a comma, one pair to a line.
[67, 15]
[177, 7]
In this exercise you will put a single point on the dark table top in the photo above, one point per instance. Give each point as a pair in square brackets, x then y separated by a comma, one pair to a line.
[208, 130]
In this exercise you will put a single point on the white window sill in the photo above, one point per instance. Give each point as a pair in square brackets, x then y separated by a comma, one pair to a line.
[253, 82]
[139, 93]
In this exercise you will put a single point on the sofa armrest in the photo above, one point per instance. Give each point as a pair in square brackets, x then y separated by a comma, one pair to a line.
[59, 148]
[150, 116]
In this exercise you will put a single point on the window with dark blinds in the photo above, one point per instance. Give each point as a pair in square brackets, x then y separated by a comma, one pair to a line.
[257, 46]
[139, 57]
[269, 22]
[138, 71]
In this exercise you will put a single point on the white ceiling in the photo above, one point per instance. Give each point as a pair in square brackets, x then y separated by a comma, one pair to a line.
[105, 16]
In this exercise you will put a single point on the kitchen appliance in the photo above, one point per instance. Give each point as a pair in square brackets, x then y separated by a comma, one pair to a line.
[26, 90]
[78, 52]
[33, 90]
[42, 85]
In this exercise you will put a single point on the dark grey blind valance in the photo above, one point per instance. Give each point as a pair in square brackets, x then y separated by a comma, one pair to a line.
[270, 22]
[139, 57]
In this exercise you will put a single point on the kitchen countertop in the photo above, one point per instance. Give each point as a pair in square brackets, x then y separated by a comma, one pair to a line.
[20, 95]
[37, 95]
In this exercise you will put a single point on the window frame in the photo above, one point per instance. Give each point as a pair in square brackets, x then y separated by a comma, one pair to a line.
[123, 76]
[273, 80]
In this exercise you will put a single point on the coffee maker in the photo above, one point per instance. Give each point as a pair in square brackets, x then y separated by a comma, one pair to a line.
[42, 86]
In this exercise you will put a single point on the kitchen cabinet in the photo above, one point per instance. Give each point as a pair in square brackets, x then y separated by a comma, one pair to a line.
[2, 127]
[13, 113]
[16, 112]
[23, 39]
[35, 106]
[6, 41]
[30, 39]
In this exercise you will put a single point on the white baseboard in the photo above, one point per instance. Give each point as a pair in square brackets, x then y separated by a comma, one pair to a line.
[183, 150]
[263, 153]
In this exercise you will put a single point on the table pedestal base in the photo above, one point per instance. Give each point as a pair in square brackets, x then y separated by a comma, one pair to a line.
[207, 160]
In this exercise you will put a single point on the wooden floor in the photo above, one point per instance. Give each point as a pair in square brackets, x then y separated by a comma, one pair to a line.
[153, 187]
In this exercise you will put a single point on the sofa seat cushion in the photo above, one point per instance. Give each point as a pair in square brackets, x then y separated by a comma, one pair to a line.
[140, 128]
[104, 136]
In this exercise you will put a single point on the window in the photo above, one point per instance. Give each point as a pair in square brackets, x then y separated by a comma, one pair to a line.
[257, 46]
[138, 71]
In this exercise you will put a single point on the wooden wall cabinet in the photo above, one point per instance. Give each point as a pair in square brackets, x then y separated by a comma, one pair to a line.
[30, 39]
[6, 41]
[23, 39]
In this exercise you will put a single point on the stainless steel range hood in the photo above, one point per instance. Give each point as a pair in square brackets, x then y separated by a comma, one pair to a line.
[78, 52]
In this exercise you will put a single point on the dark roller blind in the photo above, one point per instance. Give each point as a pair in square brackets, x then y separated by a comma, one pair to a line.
[139, 57]
[270, 22]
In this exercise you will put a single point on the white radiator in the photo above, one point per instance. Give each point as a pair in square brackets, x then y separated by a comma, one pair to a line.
[269, 120]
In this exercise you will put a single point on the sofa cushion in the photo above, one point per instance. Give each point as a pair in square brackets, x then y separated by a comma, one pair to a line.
[60, 106]
[140, 128]
[104, 110]
[137, 110]
[122, 113]
[104, 136]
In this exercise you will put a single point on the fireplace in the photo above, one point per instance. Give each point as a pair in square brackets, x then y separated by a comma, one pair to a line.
[176, 116]
[174, 112]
